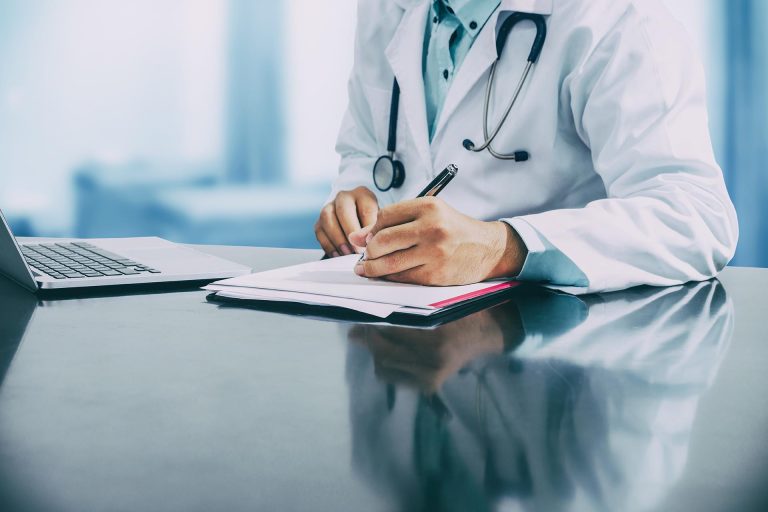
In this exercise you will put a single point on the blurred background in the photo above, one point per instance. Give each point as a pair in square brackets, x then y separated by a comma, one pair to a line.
[214, 121]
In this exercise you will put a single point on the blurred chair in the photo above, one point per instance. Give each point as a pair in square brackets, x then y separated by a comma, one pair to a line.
[269, 216]
[190, 205]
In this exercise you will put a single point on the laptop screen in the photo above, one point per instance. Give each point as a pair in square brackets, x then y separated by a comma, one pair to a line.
[12, 264]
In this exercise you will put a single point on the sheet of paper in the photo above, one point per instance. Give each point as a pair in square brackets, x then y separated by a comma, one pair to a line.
[335, 278]
[377, 309]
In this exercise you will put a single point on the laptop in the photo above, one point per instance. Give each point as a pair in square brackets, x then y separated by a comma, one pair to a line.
[57, 264]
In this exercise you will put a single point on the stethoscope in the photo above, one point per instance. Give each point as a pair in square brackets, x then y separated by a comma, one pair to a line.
[389, 172]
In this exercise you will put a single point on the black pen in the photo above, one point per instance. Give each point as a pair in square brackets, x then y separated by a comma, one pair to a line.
[435, 186]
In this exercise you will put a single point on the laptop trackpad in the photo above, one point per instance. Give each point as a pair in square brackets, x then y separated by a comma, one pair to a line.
[166, 256]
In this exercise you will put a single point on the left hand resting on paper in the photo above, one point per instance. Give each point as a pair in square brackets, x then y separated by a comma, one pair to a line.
[425, 241]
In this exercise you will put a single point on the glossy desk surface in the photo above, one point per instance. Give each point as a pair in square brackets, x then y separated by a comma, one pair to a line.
[650, 399]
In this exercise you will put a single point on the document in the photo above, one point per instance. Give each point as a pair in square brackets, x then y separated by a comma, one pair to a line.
[372, 308]
[333, 282]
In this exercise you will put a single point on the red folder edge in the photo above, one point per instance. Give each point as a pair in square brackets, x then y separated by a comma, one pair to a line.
[474, 295]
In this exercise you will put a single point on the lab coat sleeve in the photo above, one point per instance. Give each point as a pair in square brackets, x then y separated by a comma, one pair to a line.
[638, 102]
[356, 143]
[544, 263]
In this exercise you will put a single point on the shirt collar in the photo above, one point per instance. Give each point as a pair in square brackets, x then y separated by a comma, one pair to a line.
[543, 7]
[472, 14]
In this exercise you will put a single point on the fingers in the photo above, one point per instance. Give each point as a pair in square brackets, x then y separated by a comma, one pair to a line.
[346, 213]
[401, 267]
[417, 275]
[325, 243]
[406, 211]
[331, 229]
[359, 238]
[328, 226]
[367, 207]
[393, 263]
[389, 240]
[394, 228]
[343, 216]
[367, 212]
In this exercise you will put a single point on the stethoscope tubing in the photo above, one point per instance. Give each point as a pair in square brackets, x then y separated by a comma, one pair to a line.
[394, 110]
[500, 124]
[506, 28]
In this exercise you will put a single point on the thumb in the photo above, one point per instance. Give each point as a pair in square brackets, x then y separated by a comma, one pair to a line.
[359, 238]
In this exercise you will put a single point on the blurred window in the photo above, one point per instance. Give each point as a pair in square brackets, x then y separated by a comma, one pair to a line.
[107, 97]
[253, 89]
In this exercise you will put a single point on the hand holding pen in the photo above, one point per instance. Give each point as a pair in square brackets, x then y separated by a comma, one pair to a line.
[425, 241]
[435, 187]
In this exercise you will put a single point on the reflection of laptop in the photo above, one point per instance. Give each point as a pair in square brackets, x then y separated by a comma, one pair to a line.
[16, 309]
[72, 263]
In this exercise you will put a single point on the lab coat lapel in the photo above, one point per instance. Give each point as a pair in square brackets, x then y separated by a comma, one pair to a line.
[482, 55]
[478, 60]
[404, 54]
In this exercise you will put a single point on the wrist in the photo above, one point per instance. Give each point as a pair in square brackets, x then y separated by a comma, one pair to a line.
[509, 251]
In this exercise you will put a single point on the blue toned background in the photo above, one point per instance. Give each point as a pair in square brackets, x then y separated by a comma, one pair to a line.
[214, 121]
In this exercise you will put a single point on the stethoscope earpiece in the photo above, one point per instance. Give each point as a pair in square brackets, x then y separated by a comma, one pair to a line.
[517, 156]
[521, 156]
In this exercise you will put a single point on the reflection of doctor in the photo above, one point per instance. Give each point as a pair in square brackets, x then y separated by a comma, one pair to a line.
[596, 416]
[618, 185]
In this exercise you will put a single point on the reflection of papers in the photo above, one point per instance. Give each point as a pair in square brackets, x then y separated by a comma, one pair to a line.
[372, 308]
[333, 283]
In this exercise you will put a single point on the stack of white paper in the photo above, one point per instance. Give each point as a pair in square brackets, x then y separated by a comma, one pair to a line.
[333, 282]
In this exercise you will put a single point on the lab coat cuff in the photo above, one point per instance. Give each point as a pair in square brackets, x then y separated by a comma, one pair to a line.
[545, 264]
[533, 242]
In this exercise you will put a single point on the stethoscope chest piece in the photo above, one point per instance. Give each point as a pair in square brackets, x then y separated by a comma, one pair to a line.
[388, 173]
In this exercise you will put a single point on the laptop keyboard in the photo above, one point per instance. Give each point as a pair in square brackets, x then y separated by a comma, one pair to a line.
[80, 259]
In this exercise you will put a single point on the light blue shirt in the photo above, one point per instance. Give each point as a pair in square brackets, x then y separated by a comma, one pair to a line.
[452, 27]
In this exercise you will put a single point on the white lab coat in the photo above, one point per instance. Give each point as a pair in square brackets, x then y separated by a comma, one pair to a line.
[622, 178]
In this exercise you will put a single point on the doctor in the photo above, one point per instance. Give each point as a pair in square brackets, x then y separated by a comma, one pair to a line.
[615, 182]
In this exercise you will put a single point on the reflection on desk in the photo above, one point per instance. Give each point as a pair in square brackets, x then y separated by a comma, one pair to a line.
[16, 309]
[548, 402]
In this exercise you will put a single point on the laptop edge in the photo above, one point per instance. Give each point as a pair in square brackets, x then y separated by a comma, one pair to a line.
[177, 264]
